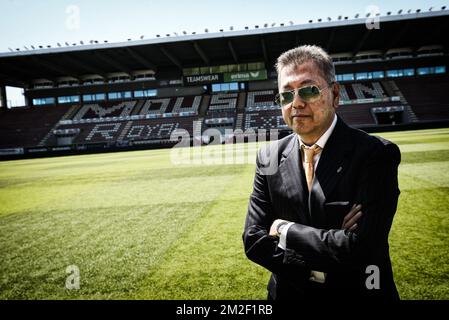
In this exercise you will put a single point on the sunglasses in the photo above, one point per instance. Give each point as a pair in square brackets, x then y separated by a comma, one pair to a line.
[308, 94]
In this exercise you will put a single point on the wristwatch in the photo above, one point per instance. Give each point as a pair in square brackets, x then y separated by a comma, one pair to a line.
[279, 228]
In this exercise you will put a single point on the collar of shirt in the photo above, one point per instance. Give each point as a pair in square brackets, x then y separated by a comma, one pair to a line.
[323, 139]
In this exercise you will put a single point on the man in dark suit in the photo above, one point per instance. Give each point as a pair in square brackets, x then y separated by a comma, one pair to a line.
[305, 222]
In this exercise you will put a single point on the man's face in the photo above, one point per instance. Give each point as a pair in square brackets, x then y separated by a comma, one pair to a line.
[309, 120]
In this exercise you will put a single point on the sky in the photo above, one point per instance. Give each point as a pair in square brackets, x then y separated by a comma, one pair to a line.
[47, 22]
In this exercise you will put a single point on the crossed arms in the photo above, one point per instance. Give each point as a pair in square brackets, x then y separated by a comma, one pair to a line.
[320, 249]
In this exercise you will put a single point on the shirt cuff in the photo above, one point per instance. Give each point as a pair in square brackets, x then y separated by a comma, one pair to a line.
[283, 236]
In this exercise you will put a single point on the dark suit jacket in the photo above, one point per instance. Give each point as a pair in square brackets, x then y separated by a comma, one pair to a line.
[354, 167]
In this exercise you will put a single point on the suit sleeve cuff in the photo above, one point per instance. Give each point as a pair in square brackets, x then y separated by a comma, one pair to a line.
[283, 236]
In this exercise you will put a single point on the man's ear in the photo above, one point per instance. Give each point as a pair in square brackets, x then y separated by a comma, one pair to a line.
[335, 94]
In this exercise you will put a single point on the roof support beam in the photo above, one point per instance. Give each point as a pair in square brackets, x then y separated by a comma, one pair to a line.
[361, 42]
[233, 52]
[27, 72]
[113, 63]
[395, 39]
[264, 51]
[331, 39]
[143, 61]
[83, 65]
[201, 53]
[54, 68]
[297, 39]
[4, 102]
[437, 30]
[171, 57]
[8, 80]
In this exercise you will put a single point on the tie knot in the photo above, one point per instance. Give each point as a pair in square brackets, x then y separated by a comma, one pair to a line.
[310, 152]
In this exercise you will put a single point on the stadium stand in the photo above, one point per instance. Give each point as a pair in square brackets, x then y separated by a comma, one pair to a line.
[26, 127]
[142, 129]
[261, 112]
[357, 99]
[257, 100]
[397, 89]
[223, 101]
[427, 96]
[172, 106]
[264, 119]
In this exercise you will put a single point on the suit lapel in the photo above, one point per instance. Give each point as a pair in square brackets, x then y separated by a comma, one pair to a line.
[334, 158]
[294, 182]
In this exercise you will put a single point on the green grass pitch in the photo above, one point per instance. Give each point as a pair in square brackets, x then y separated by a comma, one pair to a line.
[138, 225]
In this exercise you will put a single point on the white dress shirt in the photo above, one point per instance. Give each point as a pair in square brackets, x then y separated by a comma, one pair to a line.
[315, 276]
[321, 143]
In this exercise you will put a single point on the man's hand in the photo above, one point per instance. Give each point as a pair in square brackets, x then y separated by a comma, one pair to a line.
[274, 227]
[350, 220]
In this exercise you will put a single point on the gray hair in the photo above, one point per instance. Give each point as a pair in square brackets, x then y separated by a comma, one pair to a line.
[306, 53]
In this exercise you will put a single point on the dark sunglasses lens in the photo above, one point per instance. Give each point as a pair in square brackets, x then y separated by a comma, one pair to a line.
[286, 98]
[309, 93]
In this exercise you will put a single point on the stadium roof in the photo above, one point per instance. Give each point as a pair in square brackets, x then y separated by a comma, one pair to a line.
[169, 55]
